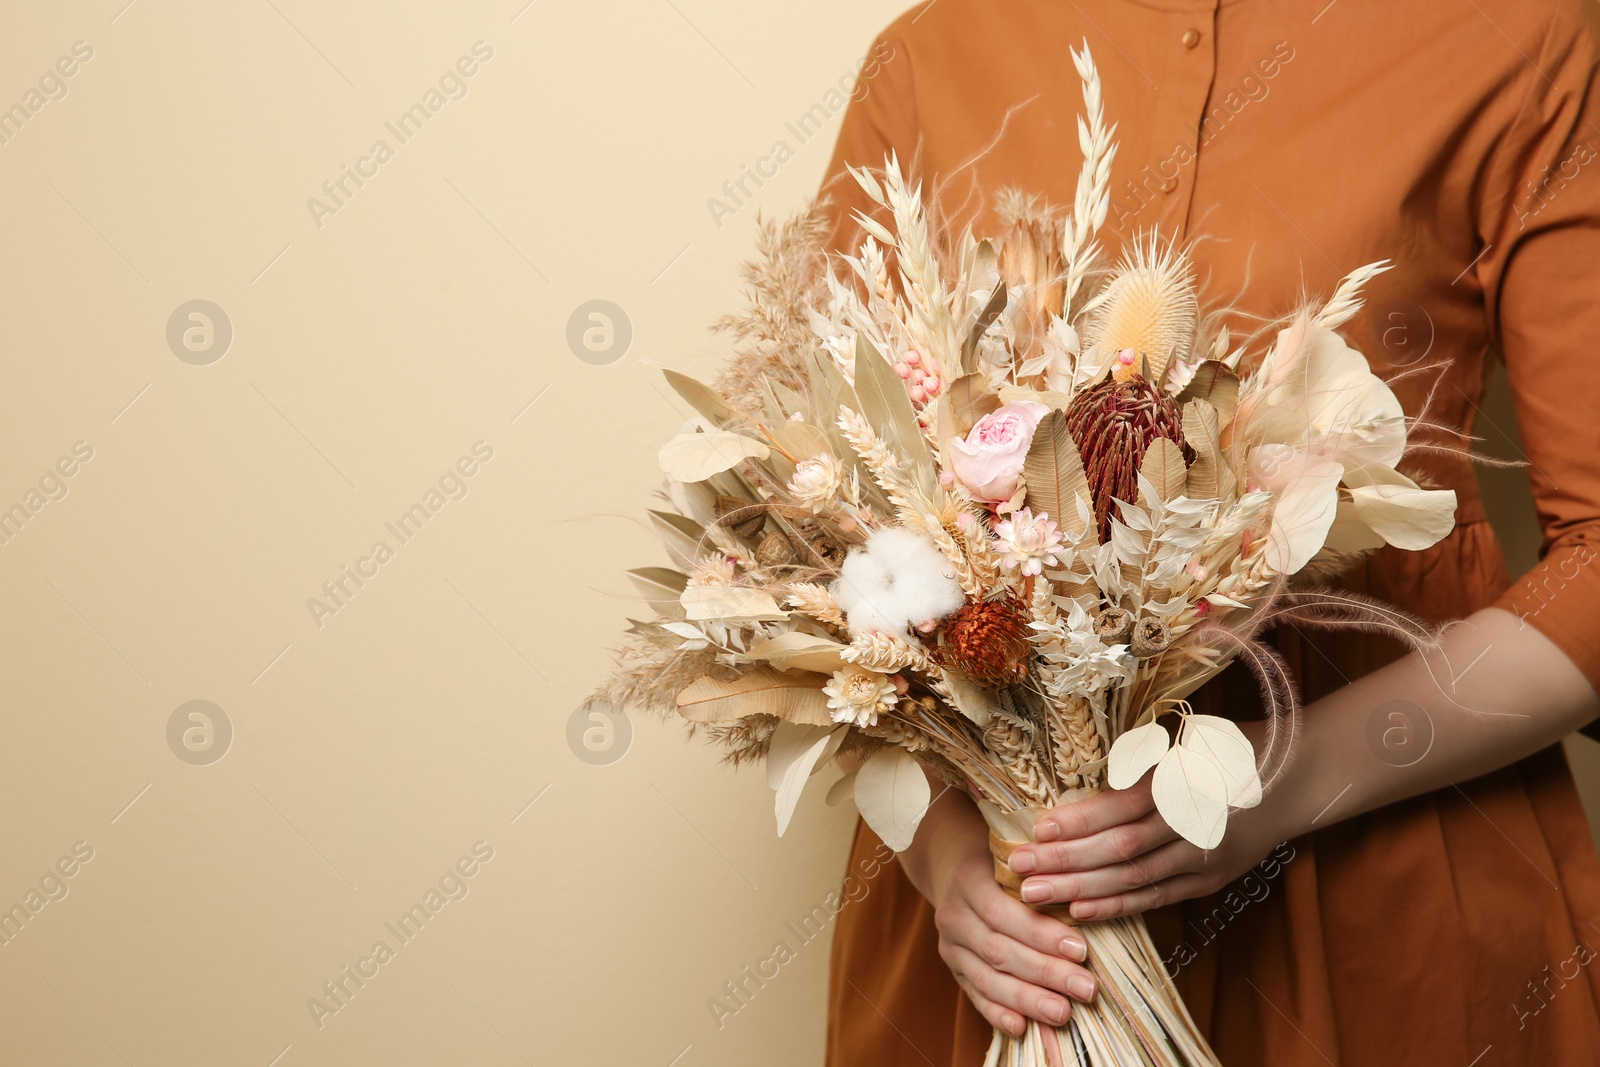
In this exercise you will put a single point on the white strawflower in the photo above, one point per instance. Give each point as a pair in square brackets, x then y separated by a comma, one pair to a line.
[857, 695]
[816, 481]
[1030, 542]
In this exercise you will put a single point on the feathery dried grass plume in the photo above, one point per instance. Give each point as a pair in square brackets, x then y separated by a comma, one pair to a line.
[784, 285]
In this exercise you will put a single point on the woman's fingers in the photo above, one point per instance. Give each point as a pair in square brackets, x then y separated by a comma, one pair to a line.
[1121, 843]
[1107, 808]
[1045, 971]
[1004, 913]
[1179, 887]
[1008, 991]
[996, 1015]
[1174, 858]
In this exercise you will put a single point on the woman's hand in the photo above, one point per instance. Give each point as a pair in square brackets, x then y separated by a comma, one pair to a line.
[1012, 962]
[1009, 959]
[1114, 854]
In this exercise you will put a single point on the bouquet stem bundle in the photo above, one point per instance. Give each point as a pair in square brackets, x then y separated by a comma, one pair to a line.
[1136, 1017]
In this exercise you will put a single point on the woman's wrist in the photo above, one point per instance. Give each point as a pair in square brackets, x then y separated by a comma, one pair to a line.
[951, 832]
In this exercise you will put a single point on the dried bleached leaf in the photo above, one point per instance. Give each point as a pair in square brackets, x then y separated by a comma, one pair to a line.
[1216, 384]
[1134, 753]
[1221, 741]
[1191, 794]
[704, 399]
[696, 456]
[842, 790]
[703, 602]
[892, 794]
[803, 650]
[660, 587]
[887, 407]
[1053, 473]
[795, 752]
[1164, 468]
[793, 696]
[1412, 519]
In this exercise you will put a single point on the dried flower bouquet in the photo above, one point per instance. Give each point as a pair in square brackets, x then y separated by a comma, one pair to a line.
[986, 511]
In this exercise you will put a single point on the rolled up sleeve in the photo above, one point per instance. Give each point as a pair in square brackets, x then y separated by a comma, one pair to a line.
[1540, 269]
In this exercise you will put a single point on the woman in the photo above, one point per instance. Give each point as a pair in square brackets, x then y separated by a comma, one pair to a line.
[1421, 886]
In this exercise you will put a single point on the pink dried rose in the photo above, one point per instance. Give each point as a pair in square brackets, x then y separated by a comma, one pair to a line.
[989, 460]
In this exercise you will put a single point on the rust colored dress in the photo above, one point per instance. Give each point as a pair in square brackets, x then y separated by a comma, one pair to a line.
[1299, 141]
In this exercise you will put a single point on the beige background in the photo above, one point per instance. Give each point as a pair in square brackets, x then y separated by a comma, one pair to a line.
[431, 710]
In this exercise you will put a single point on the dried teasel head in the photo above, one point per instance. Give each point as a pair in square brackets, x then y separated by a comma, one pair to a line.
[1114, 626]
[987, 641]
[1149, 306]
[1112, 424]
[1150, 638]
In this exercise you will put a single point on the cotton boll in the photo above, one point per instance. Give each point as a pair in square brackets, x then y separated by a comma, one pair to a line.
[923, 580]
[897, 581]
[864, 589]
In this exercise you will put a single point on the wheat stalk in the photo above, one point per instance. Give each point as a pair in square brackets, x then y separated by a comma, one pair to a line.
[1346, 299]
[885, 652]
[1011, 747]
[1093, 196]
[814, 600]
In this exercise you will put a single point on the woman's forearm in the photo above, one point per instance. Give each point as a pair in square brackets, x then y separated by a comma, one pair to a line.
[1495, 691]
[951, 831]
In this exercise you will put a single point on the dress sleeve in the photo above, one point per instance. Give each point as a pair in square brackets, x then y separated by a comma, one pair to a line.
[881, 118]
[1540, 270]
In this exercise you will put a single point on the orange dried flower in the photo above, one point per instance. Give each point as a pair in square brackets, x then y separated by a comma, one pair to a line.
[987, 642]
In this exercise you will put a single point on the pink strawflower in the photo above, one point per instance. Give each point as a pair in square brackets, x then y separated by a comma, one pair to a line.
[1029, 542]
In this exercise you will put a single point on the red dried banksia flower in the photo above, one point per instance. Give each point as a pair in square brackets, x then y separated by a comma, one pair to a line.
[987, 642]
[1112, 424]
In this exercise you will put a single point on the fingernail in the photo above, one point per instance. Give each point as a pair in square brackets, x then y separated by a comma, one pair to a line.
[1081, 986]
[1046, 830]
[1055, 1011]
[1084, 911]
[1074, 949]
[1023, 862]
[1034, 892]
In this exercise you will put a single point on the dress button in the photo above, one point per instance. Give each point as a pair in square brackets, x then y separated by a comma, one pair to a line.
[1191, 38]
[1168, 185]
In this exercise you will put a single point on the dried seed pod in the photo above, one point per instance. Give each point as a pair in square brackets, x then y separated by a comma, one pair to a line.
[822, 544]
[774, 550]
[1113, 626]
[1150, 638]
[743, 517]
